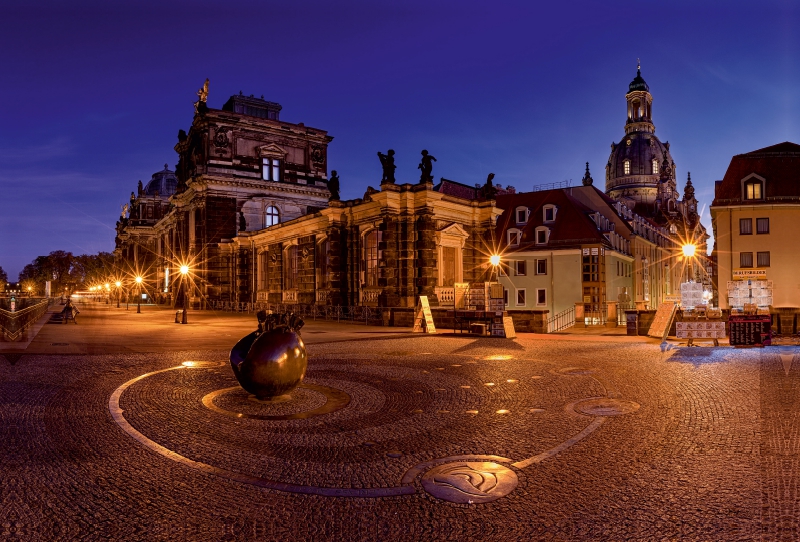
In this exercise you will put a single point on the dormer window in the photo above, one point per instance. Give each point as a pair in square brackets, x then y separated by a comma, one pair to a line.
[655, 166]
[513, 237]
[549, 212]
[522, 215]
[753, 190]
[271, 169]
[626, 167]
[542, 235]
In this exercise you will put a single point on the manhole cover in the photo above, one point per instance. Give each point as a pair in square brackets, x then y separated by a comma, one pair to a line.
[469, 482]
[604, 406]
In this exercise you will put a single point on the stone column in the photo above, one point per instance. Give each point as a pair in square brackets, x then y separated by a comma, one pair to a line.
[389, 263]
[426, 256]
[406, 260]
[337, 266]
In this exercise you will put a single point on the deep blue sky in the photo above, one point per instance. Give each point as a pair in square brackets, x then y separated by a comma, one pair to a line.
[93, 93]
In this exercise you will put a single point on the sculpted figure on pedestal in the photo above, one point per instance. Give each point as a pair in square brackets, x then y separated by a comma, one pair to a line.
[387, 162]
[426, 165]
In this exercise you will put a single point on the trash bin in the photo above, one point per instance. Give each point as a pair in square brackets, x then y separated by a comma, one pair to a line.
[632, 322]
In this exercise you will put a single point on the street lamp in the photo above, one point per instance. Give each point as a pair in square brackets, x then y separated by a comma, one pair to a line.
[108, 293]
[139, 295]
[688, 250]
[118, 284]
[184, 269]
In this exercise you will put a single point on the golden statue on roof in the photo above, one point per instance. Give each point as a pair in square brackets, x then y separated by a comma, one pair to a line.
[202, 94]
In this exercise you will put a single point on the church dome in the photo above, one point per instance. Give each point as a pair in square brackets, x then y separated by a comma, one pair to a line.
[637, 162]
[164, 182]
[638, 83]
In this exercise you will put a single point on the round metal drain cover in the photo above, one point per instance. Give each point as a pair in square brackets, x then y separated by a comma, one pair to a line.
[604, 406]
[469, 482]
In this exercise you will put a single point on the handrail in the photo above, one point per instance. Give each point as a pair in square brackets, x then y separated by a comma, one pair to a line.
[562, 320]
[14, 324]
[309, 311]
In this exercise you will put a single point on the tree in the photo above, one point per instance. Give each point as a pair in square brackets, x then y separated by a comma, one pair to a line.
[3, 278]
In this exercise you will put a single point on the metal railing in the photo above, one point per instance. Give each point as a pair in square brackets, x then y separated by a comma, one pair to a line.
[562, 320]
[14, 324]
[338, 313]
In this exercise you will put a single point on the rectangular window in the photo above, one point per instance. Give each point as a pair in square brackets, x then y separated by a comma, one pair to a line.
[763, 259]
[745, 226]
[522, 216]
[541, 267]
[521, 297]
[745, 259]
[549, 214]
[522, 268]
[290, 268]
[270, 169]
[752, 190]
[372, 256]
[762, 225]
[626, 167]
[541, 237]
[513, 237]
[505, 296]
[541, 296]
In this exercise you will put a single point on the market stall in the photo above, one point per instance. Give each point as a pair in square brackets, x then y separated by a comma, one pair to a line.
[750, 321]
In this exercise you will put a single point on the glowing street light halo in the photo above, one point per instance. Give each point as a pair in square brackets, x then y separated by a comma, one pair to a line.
[494, 259]
[184, 269]
[138, 280]
[689, 250]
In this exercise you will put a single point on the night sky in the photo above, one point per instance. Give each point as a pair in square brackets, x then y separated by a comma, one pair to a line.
[93, 96]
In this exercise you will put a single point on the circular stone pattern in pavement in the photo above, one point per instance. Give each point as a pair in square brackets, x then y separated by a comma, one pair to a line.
[305, 401]
[469, 482]
[574, 371]
[605, 406]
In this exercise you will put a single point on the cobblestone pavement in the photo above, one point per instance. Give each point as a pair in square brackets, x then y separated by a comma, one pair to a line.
[698, 444]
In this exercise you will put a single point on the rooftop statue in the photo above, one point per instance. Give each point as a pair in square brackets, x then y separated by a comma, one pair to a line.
[426, 165]
[387, 162]
[202, 95]
[333, 186]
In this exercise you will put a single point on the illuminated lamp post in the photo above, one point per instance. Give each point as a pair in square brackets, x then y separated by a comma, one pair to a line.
[184, 272]
[138, 295]
[118, 284]
[108, 293]
[688, 250]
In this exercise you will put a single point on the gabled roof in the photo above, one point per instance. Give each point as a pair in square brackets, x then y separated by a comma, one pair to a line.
[778, 164]
[572, 226]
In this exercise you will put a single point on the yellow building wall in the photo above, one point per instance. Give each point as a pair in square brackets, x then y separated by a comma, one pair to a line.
[782, 242]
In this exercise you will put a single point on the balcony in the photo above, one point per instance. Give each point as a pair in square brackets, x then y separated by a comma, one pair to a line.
[322, 297]
[446, 296]
[289, 296]
[369, 296]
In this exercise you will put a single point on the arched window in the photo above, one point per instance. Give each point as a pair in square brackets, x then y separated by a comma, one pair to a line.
[323, 263]
[655, 166]
[290, 268]
[371, 257]
[626, 166]
[753, 190]
[272, 216]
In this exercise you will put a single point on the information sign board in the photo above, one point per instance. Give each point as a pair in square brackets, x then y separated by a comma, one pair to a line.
[423, 315]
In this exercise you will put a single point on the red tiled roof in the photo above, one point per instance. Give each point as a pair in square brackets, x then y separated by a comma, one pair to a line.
[453, 188]
[572, 226]
[778, 164]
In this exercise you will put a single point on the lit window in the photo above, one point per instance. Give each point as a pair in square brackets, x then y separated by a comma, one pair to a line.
[762, 225]
[521, 297]
[655, 166]
[763, 259]
[290, 268]
[372, 256]
[541, 267]
[271, 169]
[521, 268]
[745, 226]
[626, 166]
[541, 296]
[745, 259]
[753, 190]
[272, 216]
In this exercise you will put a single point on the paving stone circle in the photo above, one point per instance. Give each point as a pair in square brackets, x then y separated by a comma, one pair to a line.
[605, 406]
[469, 482]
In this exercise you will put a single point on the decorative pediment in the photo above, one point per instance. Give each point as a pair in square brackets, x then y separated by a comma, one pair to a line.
[453, 230]
[271, 151]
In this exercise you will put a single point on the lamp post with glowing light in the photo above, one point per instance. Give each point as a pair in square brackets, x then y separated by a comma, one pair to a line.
[184, 269]
[688, 253]
[108, 293]
[138, 295]
[118, 284]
